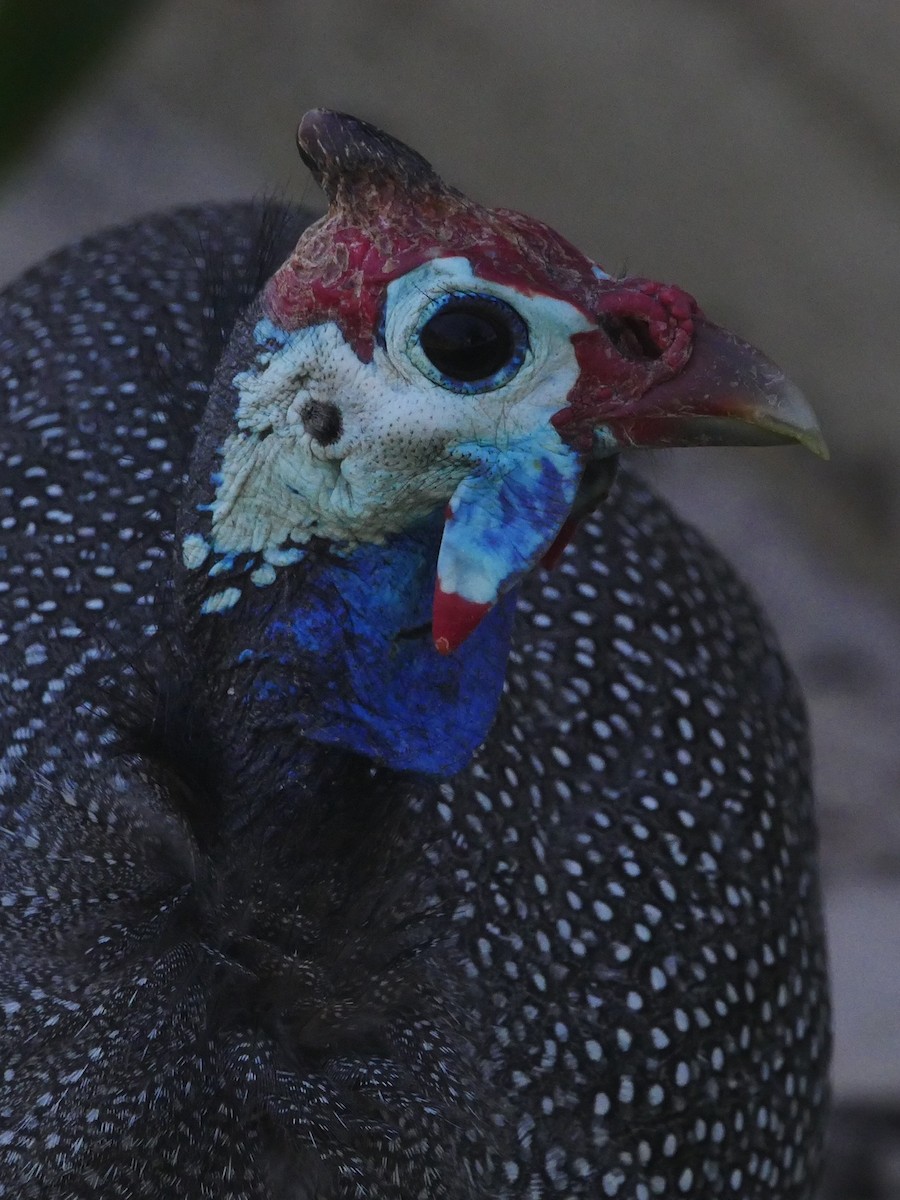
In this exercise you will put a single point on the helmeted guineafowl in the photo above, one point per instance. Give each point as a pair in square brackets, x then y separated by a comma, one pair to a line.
[293, 901]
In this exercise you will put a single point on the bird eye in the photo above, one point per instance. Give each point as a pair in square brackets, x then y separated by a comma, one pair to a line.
[472, 342]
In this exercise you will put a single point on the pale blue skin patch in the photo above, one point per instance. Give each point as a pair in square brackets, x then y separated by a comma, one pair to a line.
[222, 566]
[263, 575]
[266, 332]
[221, 601]
[283, 557]
[194, 551]
[506, 514]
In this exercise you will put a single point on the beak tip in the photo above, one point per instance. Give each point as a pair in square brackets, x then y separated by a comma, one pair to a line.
[796, 419]
[727, 394]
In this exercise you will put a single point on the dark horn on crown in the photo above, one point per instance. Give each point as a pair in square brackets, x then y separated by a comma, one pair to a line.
[348, 156]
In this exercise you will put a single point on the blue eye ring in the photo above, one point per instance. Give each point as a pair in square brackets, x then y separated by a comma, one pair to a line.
[471, 342]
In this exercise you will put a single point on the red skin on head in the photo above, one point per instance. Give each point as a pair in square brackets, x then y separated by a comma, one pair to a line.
[342, 265]
[652, 370]
[652, 321]
[390, 212]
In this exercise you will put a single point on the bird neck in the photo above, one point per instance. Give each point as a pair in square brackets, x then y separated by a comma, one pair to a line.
[325, 640]
[337, 649]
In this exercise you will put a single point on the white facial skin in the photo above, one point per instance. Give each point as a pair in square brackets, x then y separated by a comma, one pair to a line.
[406, 442]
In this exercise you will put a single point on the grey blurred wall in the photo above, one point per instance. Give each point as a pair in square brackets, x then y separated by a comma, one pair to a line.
[749, 151]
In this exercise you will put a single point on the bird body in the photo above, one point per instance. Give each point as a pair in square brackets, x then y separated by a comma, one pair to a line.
[292, 905]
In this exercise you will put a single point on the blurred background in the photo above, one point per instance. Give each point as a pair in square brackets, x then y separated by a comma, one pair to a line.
[750, 152]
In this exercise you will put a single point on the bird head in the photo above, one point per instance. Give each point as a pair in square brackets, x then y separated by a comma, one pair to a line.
[419, 354]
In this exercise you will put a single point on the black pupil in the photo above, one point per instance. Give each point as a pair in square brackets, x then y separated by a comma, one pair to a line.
[468, 341]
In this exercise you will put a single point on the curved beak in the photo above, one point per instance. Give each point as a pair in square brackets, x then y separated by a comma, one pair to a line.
[727, 394]
[523, 507]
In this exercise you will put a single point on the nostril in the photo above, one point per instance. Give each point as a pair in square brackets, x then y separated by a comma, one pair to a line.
[631, 336]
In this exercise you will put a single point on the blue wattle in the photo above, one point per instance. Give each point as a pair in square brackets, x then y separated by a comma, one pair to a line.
[361, 683]
[506, 512]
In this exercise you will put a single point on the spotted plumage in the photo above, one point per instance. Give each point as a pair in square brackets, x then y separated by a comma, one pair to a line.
[238, 965]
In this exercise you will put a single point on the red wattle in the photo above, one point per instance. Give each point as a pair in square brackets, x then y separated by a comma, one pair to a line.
[453, 618]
